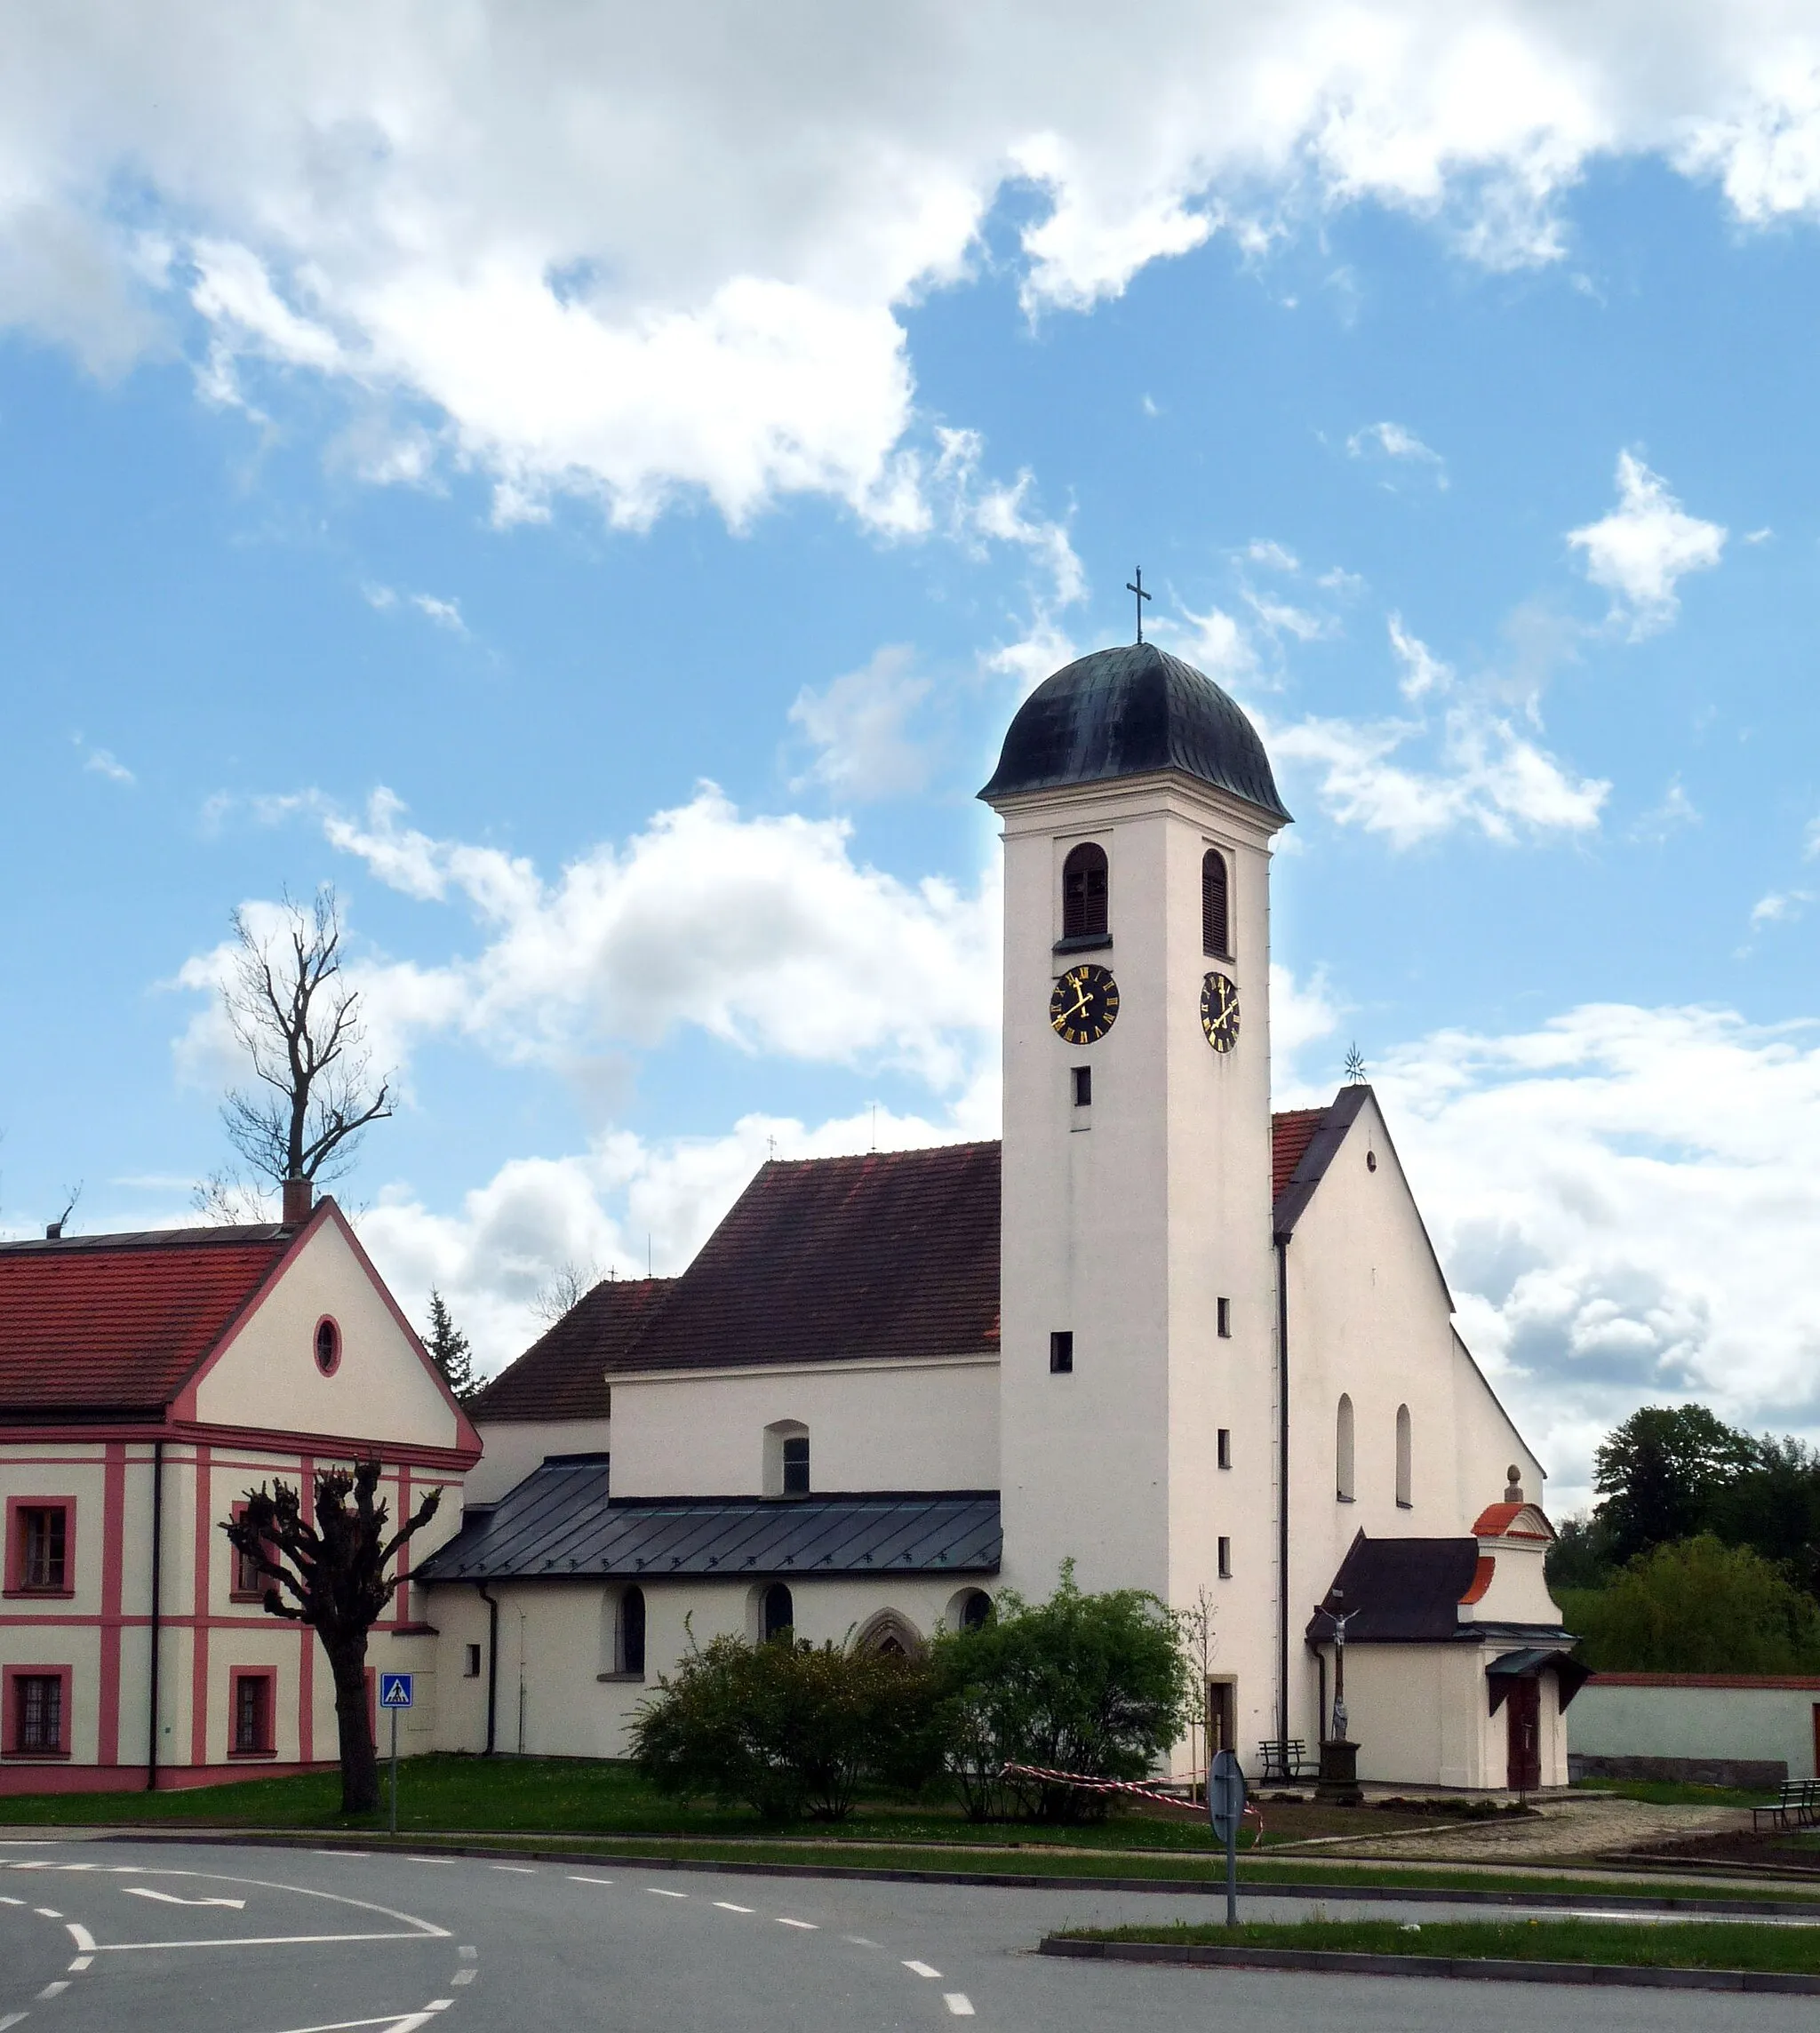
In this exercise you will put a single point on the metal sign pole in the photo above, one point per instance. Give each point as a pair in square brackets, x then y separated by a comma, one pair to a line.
[395, 1772]
[1226, 1807]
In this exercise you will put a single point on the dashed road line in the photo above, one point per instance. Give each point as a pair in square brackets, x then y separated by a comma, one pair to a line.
[523, 1869]
[958, 2002]
[922, 1969]
[12, 2019]
[784, 1921]
[464, 1976]
[663, 1891]
[727, 1906]
[81, 1936]
[4, 1901]
[51, 1990]
[82, 1963]
[47, 1912]
[575, 1879]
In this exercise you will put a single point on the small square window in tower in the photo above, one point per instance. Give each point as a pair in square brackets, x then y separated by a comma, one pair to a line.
[1084, 892]
[1061, 1354]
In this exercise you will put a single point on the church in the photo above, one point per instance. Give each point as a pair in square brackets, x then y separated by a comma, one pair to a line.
[1190, 1346]
[1157, 1331]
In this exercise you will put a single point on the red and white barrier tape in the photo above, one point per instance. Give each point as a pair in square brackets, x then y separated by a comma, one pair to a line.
[1130, 1786]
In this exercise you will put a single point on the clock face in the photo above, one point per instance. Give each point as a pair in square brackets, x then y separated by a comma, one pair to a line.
[1219, 1011]
[1085, 1004]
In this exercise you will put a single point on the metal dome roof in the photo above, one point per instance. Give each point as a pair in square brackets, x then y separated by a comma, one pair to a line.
[1131, 712]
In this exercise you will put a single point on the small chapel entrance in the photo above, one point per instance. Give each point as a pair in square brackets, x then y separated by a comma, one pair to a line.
[1522, 1710]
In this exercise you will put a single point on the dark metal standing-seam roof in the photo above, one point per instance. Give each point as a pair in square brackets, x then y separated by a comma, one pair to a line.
[562, 1521]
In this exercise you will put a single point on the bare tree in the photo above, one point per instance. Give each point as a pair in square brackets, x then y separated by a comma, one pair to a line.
[570, 1284]
[299, 1022]
[334, 1575]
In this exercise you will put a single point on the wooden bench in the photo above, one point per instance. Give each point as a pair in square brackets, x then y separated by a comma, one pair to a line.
[1797, 1805]
[1285, 1759]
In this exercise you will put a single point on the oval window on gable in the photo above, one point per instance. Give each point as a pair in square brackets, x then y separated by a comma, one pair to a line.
[328, 1345]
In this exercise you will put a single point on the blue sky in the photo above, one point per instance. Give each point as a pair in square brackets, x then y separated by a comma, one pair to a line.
[597, 498]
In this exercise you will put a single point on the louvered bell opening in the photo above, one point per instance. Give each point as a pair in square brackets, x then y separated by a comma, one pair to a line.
[1215, 935]
[1085, 891]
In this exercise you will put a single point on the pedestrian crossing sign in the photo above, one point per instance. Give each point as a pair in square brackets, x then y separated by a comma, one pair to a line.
[394, 1690]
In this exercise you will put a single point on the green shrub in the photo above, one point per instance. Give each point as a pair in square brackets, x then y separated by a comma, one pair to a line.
[1093, 1683]
[1696, 1606]
[786, 1727]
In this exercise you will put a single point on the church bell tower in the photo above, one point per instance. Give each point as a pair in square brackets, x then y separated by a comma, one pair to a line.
[1138, 1356]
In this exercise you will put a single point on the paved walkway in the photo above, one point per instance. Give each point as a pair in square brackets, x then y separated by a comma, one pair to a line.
[1582, 1825]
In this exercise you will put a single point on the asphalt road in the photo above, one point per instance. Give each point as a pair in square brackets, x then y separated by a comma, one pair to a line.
[125, 1937]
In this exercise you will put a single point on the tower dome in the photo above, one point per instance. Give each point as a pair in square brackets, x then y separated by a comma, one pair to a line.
[1131, 712]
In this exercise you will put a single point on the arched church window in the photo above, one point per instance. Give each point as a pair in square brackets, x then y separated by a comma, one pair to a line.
[971, 1610]
[1216, 918]
[786, 1458]
[778, 1613]
[1405, 1500]
[632, 1631]
[796, 1465]
[1343, 1450]
[1085, 891]
[889, 1635]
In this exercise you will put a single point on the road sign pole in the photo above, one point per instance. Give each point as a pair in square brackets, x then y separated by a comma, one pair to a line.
[395, 1772]
[1232, 1860]
[1226, 1805]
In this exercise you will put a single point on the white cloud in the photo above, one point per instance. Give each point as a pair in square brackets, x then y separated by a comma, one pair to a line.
[858, 725]
[445, 613]
[1276, 557]
[1674, 811]
[1491, 775]
[1646, 544]
[1779, 907]
[638, 258]
[1423, 670]
[764, 932]
[1394, 441]
[1810, 840]
[607, 1206]
[103, 762]
[1623, 1200]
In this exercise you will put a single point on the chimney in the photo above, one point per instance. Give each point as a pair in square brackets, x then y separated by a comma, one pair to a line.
[297, 1195]
[54, 1231]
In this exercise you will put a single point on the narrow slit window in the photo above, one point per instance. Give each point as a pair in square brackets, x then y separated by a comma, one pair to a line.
[1225, 1451]
[1085, 891]
[779, 1613]
[1343, 1450]
[1405, 1500]
[1223, 1317]
[796, 1465]
[632, 1631]
[1061, 1353]
[1225, 1560]
[471, 1670]
[1216, 900]
[1084, 1086]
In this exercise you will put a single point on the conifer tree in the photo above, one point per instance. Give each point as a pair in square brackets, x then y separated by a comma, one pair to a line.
[447, 1343]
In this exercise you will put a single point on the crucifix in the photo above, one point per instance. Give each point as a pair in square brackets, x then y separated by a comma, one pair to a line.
[1331, 1609]
[1137, 587]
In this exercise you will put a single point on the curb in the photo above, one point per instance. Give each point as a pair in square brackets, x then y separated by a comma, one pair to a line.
[1342, 1962]
[1209, 1887]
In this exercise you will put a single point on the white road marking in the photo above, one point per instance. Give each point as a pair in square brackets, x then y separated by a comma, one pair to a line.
[50, 1989]
[464, 1976]
[573, 1879]
[171, 1899]
[428, 1930]
[860, 1941]
[80, 1935]
[783, 1922]
[47, 1912]
[470, 1952]
[80, 1963]
[341, 1853]
[12, 2019]
[254, 1941]
[393, 2021]
[958, 2002]
[727, 1906]
[4, 1901]
[662, 1893]
[922, 1969]
[525, 1869]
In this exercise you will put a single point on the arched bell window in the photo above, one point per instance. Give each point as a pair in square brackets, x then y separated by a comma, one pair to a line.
[1085, 891]
[1216, 911]
[1343, 1450]
[1405, 1500]
[778, 1613]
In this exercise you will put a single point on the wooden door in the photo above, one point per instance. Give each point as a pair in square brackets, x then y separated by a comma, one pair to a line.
[1523, 1707]
[1222, 1717]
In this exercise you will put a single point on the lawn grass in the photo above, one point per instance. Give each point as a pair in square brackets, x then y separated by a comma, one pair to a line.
[1673, 1793]
[1676, 1944]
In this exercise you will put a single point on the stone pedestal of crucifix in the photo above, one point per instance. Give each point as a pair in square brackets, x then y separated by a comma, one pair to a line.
[1338, 1784]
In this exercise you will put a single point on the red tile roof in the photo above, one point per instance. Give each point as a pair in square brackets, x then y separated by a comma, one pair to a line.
[563, 1374]
[831, 1259]
[1290, 1134]
[117, 1322]
[1501, 1520]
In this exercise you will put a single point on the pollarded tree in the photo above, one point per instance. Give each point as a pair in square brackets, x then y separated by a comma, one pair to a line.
[332, 1576]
